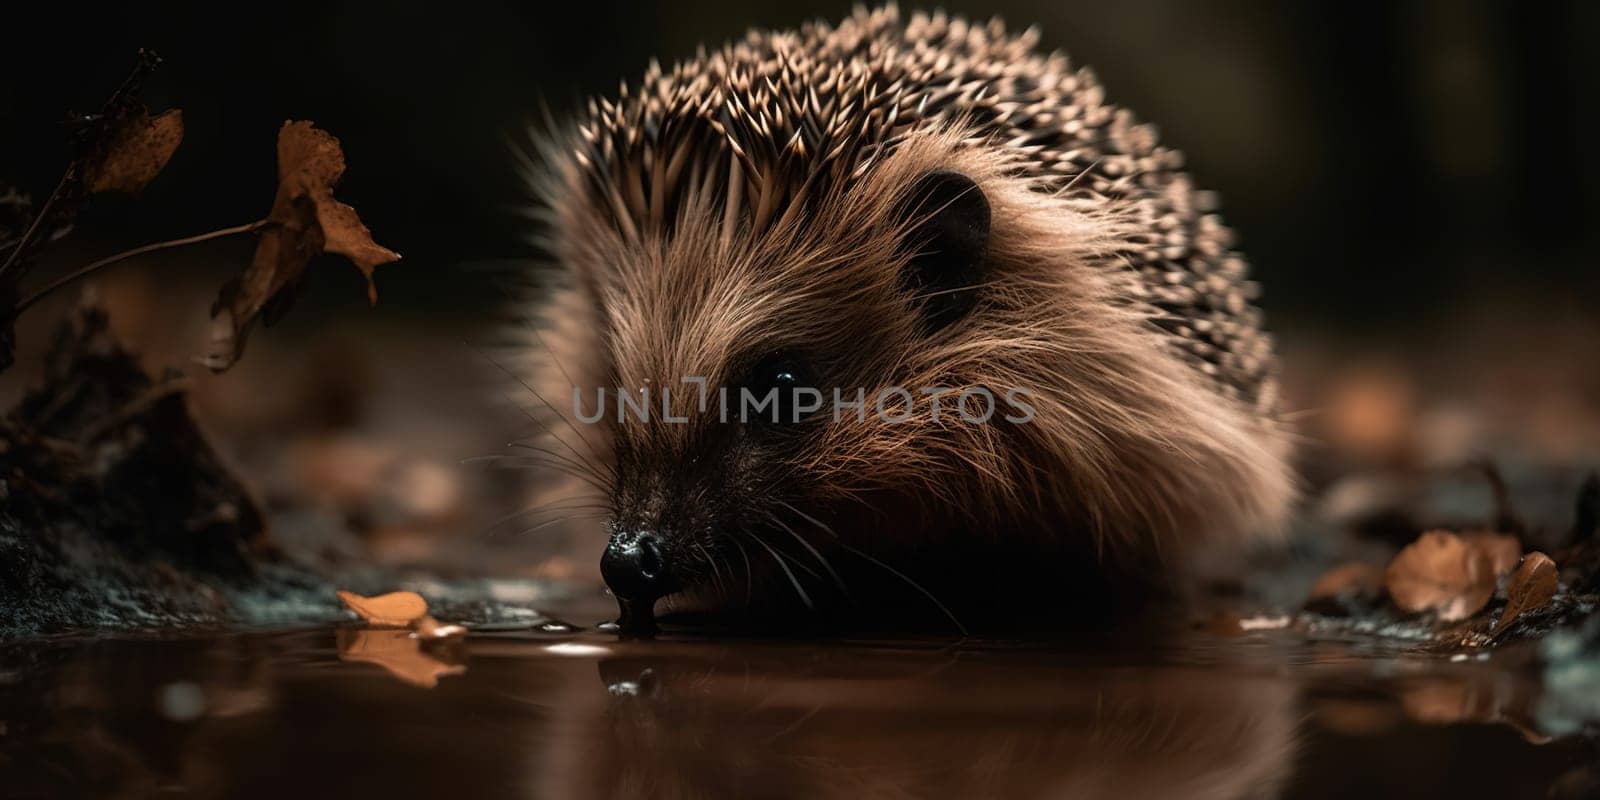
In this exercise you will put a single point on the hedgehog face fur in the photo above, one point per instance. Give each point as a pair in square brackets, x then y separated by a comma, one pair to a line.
[897, 203]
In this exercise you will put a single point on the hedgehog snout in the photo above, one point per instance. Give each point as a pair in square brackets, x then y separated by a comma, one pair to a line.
[636, 569]
[635, 566]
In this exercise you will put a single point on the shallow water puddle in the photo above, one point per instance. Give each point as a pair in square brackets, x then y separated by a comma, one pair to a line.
[348, 712]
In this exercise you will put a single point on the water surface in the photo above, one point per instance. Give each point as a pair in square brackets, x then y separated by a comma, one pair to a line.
[552, 713]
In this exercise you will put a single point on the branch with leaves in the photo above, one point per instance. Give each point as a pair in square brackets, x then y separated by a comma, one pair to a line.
[124, 147]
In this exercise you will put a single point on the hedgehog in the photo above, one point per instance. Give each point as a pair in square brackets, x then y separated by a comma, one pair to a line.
[883, 206]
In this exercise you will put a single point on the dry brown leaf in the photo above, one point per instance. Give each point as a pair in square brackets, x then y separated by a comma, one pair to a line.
[398, 652]
[1346, 590]
[1531, 588]
[305, 220]
[1503, 551]
[1352, 578]
[137, 153]
[392, 610]
[1440, 572]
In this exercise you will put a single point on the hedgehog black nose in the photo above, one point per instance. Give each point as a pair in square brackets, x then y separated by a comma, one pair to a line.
[633, 566]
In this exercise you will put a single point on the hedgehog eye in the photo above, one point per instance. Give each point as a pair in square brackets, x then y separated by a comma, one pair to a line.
[784, 377]
[949, 218]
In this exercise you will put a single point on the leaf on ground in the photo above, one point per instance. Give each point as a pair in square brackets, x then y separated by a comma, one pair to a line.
[1440, 572]
[1346, 590]
[138, 151]
[1504, 551]
[392, 610]
[1353, 578]
[1531, 588]
[398, 652]
[305, 221]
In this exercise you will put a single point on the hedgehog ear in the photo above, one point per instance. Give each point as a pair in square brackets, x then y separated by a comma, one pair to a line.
[947, 216]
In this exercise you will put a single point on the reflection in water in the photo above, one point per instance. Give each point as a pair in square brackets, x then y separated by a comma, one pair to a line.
[809, 724]
[565, 715]
[402, 653]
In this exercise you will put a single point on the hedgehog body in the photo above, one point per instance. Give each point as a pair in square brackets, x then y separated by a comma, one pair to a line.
[905, 202]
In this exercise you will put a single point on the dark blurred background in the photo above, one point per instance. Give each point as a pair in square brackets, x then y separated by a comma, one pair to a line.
[1383, 162]
[1416, 183]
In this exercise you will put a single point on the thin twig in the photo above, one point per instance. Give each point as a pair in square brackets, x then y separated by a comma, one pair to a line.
[21, 245]
[88, 140]
[137, 251]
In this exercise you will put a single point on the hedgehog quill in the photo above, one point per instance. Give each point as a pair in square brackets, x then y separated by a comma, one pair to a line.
[898, 211]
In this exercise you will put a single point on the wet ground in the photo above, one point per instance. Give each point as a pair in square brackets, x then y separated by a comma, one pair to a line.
[553, 712]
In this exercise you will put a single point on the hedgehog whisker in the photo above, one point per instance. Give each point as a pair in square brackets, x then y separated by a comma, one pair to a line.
[587, 470]
[530, 462]
[913, 584]
[808, 518]
[891, 570]
[535, 392]
[814, 552]
[558, 521]
[525, 444]
[534, 329]
[716, 573]
[487, 459]
[597, 466]
[784, 565]
[537, 335]
[749, 572]
[588, 505]
[522, 462]
[580, 461]
[794, 561]
[490, 532]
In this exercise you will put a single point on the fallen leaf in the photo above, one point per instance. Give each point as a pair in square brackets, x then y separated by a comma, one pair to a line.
[1355, 576]
[399, 653]
[1531, 588]
[305, 221]
[1503, 551]
[137, 152]
[1440, 572]
[392, 610]
[1344, 590]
